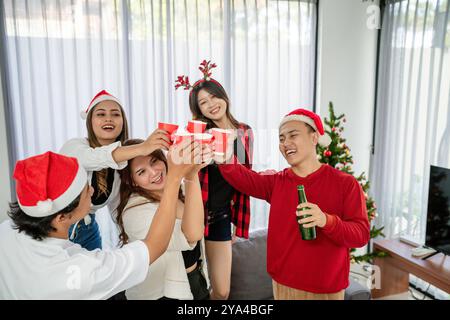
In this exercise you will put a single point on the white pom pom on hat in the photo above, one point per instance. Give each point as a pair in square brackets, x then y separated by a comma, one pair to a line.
[324, 140]
[44, 206]
[83, 115]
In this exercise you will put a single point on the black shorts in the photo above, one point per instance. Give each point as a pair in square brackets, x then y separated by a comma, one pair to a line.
[219, 225]
[198, 284]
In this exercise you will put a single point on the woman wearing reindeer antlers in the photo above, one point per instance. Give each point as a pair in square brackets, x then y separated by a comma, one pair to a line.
[223, 204]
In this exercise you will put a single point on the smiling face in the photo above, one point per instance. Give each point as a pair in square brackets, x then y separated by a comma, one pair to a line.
[297, 142]
[211, 106]
[107, 122]
[148, 173]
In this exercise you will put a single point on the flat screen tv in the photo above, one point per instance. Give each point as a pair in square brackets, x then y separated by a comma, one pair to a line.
[438, 211]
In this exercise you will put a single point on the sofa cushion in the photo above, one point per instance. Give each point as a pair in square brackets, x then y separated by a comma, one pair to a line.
[249, 277]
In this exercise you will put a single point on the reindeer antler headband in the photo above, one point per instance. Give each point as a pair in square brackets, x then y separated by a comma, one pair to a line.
[205, 67]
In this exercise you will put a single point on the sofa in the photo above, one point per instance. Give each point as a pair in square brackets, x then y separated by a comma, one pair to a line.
[249, 277]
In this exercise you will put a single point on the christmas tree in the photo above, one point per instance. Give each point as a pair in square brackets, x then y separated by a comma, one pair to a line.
[337, 155]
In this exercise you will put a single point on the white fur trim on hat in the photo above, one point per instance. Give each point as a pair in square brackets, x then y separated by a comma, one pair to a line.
[47, 207]
[104, 97]
[324, 140]
[297, 117]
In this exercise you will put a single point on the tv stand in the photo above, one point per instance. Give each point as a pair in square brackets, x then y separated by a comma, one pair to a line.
[395, 269]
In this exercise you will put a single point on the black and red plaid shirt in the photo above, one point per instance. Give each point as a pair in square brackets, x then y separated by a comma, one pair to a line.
[240, 206]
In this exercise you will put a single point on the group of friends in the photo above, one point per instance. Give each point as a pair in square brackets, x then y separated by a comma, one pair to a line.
[178, 207]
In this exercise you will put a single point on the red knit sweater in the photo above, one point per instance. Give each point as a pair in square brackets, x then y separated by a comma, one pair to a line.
[321, 265]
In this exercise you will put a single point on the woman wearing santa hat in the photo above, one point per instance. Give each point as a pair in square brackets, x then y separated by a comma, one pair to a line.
[223, 204]
[102, 154]
[39, 262]
[307, 269]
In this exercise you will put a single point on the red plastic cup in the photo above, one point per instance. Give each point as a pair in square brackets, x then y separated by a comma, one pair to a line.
[169, 127]
[220, 140]
[181, 136]
[203, 138]
[195, 126]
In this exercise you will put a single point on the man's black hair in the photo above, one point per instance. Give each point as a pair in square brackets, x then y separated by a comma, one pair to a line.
[37, 228]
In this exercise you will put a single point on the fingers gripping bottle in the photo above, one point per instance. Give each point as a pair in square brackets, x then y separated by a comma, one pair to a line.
[307, 233]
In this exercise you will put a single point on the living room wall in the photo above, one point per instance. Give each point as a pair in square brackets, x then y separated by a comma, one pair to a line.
[347, 50]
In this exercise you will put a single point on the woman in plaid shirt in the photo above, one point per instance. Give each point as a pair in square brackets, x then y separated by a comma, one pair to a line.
[223, 204]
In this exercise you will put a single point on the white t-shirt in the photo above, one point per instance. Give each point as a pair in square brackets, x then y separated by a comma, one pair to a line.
[167, 275]
[59, 269]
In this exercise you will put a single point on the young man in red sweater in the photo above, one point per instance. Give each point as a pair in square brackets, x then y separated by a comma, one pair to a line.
[315, 269]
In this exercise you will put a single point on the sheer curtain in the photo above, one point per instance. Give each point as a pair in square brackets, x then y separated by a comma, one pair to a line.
[61, 52]
[413, 112]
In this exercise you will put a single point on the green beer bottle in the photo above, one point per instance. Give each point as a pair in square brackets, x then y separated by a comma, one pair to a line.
[307, 233]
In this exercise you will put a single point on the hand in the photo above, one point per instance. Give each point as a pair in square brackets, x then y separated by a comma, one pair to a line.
[205, 159]
[317, 218]
[183, 158]
[207, 155]
[159, 139]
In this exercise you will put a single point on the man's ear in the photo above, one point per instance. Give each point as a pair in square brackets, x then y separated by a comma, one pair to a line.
[315, 138]
[62, 218]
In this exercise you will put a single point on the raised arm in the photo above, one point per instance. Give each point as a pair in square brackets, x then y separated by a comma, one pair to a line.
[241, 177]
[157, 140]
[93, 159]
[180, 163]
[193, 215]
[113, 155]
[248, 181]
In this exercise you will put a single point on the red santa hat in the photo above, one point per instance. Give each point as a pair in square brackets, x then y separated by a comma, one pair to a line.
[101, 96]
[48, 183]
[313, 120]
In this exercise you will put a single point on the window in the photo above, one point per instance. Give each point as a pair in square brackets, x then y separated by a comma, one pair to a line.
[61, 52]
[413, 111]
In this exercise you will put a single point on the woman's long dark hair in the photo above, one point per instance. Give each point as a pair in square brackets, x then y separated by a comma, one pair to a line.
[101, 175]
[128, 188]
[214, 88]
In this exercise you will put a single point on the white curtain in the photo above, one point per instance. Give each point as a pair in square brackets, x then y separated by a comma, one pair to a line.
[413, 112]
[61, 52]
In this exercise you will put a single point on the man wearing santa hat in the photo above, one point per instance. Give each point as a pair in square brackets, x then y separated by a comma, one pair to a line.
[37, 259]
[300, 269]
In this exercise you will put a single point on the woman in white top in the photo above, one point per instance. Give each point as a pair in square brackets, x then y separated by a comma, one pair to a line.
[101, 154]
[179, 273]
